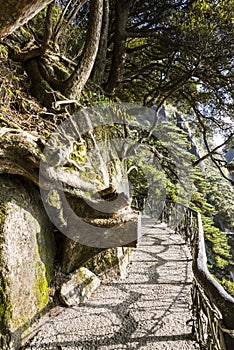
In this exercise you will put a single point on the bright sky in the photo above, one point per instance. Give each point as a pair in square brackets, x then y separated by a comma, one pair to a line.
[218, 139]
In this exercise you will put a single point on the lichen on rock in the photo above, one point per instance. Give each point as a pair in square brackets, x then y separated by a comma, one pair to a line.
[79, 287]
[26, 258]
[110, 263]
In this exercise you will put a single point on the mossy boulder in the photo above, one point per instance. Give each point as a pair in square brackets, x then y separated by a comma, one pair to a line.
[26, 259]
[75, 255]
[101, 260]
[79, 287]
[110, 263]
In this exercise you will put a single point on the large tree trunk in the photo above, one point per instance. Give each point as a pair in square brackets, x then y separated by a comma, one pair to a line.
[15, 13]
[76, 82]
[122, 9]
[61, 26]
[100, 62]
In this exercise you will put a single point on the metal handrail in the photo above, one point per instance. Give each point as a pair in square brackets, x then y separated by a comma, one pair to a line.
[212, 306]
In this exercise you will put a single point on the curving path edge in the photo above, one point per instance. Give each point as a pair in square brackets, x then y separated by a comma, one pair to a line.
[150, 309]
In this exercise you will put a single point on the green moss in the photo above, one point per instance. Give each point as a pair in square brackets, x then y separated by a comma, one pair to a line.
[5, 307]
[2, 283]
[20, 323]
[103, 261]
[2, 219]
[46, 253]
[41, 287]
[6, 123]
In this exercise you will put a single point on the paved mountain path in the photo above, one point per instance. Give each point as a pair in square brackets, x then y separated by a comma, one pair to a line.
[147, 310]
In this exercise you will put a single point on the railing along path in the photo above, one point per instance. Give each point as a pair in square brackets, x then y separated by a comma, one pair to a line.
[213, 307]
[144, 311]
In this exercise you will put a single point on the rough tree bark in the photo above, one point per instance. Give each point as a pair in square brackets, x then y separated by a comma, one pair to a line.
[46, 87]
[15, 13]
[39, 51]
[20, 154]
[122, 9]
[61, 26]
[85, 65]
[100, 62]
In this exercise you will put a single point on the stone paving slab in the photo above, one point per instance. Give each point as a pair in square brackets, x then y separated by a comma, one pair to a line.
[147, 310]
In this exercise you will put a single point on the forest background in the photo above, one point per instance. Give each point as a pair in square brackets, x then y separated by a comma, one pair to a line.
[176, 55]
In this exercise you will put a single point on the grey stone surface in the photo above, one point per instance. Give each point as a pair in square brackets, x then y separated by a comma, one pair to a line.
[110, 263]
[79, 287]
[15, 13]
[123, 255]
[75, 255]
[149, 309]
[26, 259]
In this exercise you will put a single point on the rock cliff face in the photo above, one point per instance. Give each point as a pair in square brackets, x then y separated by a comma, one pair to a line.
[15, 13]
[27, 251]
[26, 259]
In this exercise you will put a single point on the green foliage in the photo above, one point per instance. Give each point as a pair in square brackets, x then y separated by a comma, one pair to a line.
[220, 255]
[3, 52]
[228, 285]
[218, 244]
[171, 194]
[221, 196]
[137, 179]
[92, 97]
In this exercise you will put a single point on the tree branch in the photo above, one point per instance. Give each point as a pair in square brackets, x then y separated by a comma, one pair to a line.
[213, 151]
[61, 27]
[39, 51]
[85, 65]
[215, 161]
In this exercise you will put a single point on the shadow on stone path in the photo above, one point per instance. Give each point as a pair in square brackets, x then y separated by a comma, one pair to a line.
[147, 310]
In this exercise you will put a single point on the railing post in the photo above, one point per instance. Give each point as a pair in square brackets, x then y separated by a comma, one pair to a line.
[210, 300]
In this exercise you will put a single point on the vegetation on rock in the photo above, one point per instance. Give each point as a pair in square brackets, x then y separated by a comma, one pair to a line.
[176, 55]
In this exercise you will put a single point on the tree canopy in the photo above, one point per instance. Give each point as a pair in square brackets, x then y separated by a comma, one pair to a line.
[155, 53]
[175, 51]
